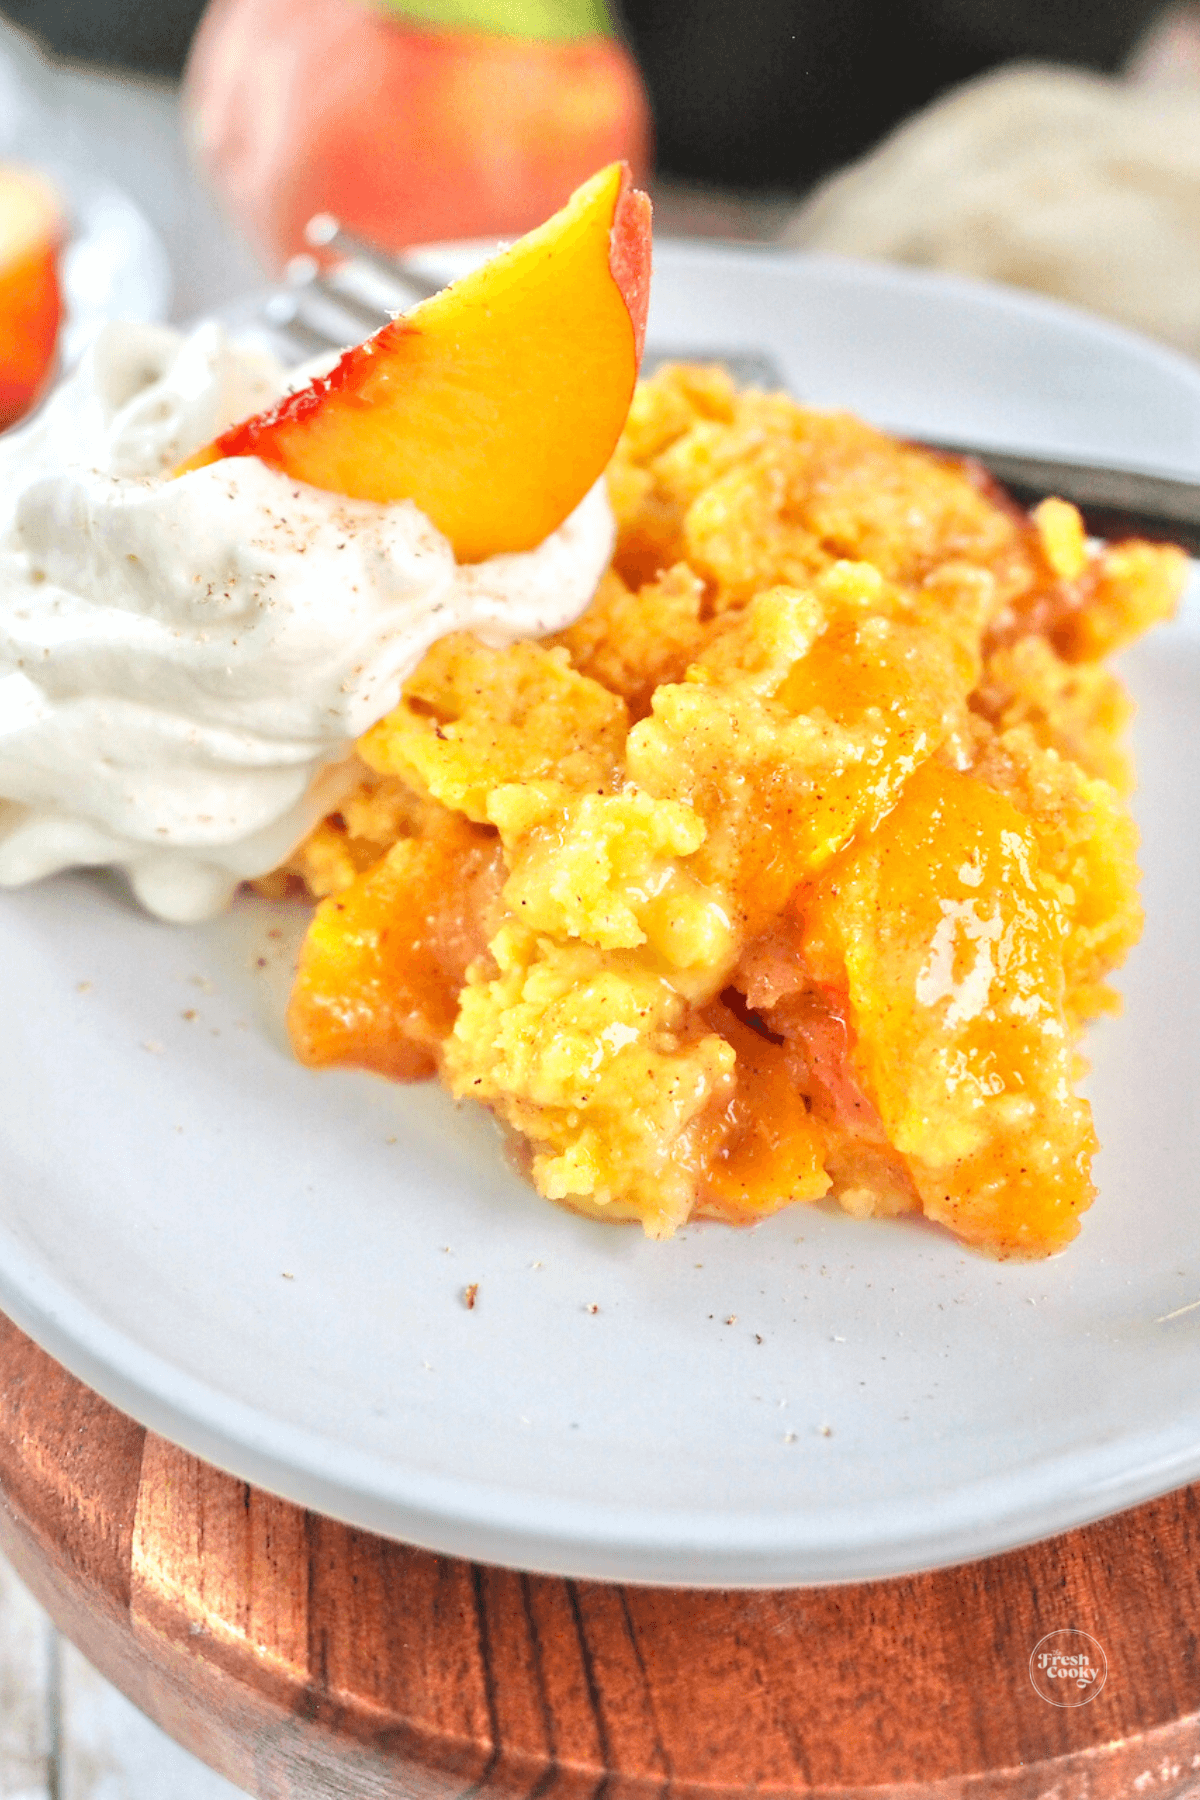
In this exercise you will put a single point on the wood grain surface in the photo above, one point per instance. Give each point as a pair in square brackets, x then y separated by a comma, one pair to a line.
[302, 1658]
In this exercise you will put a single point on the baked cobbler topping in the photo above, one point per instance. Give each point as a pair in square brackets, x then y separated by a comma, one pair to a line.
[792, 869]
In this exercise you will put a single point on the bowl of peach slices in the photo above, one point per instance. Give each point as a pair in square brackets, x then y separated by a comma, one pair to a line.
[74, 250]
[31, 236]
[617, 1126]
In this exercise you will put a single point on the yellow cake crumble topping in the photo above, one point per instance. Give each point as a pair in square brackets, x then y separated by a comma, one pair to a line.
[792, 869]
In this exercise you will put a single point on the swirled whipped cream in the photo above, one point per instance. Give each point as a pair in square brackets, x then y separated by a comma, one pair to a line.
[185, 663]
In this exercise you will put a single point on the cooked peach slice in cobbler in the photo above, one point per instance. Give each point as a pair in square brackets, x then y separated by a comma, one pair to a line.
[792, 869]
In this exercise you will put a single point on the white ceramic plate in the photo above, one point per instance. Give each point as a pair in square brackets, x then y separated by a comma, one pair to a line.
[266, 1264]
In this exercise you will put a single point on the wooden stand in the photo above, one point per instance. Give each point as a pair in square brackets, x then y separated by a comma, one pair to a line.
[302, 1658]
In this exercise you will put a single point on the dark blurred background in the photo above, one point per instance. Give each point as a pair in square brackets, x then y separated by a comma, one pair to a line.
[149, 35]
[746, 93]
[780, 91]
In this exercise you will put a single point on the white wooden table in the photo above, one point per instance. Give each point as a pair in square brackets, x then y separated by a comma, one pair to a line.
[65, 1734]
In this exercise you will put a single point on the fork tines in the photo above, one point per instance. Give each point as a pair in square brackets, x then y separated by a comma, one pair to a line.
[339, 294]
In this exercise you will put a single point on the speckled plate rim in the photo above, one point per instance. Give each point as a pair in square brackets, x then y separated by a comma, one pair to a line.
[493, 1524]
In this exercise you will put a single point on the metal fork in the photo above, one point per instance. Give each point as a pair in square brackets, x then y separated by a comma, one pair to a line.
[344, 288]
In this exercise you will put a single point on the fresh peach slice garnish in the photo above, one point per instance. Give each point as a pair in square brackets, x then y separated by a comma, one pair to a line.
[495, 405]
[30, 306]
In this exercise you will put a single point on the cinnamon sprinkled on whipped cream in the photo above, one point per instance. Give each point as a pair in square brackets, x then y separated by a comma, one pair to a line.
[185, 663]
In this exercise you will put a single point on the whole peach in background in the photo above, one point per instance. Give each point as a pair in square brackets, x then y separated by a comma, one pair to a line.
[475, 118]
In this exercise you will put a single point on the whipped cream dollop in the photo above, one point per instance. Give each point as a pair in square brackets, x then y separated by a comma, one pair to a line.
[185, 663]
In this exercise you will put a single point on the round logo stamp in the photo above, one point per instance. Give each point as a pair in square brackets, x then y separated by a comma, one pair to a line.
[1068, 1668]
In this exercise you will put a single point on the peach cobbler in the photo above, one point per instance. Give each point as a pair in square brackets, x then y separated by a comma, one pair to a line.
[791, 866]
[794, 868]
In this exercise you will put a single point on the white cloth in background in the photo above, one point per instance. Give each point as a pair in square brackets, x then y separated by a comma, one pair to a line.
[1085, 187]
